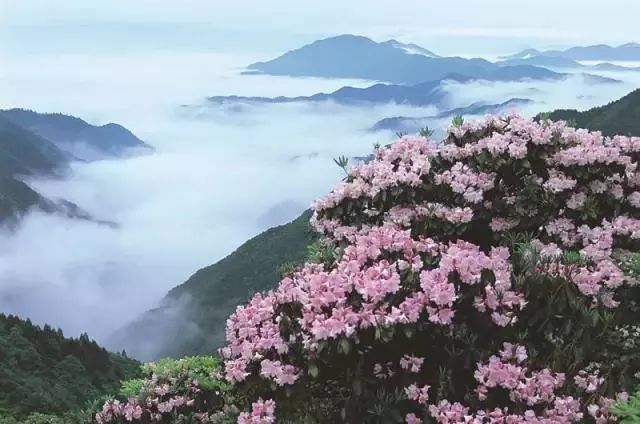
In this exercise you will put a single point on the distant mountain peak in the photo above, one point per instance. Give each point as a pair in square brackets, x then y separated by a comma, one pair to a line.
[76, 136]
[411, 48]
[354, 56]
[524, 54]
[600, 52]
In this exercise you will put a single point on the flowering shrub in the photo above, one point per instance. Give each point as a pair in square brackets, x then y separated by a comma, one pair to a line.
[187, 390]
[486, 278]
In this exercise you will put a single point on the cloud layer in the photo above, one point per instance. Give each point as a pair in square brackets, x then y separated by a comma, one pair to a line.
[219, 175]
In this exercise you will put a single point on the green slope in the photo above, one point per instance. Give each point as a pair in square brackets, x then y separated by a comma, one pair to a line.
[192, 317]
[23, 152]
[16, 198]
[66, 131]
[42, 371]
[619, 117]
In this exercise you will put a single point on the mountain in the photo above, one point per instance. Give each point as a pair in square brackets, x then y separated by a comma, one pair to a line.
[619, 117]
[16, 198]
[525, 54]
[423, 94]
[23, 152]
[351, 56]
[191, 318]
[598, 79]
[605, 66]
[27, 154]
[412, 125]
[42, 371]
[565, 62]
[75, 136]
[600, 52]
[427, 93]
[411, 48]
[545, 61]
[34, 144]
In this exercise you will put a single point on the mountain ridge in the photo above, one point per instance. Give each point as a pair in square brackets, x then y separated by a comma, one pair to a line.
[76, 136]
[352, 56]
[25, 153]
[624, 52]
[617, 117]
[408, 124]
[429, 93]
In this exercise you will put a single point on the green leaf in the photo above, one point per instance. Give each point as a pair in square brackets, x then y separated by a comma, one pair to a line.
[313, 370]
[344, 346]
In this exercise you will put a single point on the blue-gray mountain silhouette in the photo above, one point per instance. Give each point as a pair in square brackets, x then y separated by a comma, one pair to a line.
[33, 144]
[408, 124]
[351, 56]
[600, 52]
[428, 93]
[75, 136]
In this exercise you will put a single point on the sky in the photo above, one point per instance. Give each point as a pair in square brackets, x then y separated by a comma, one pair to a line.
[462, 27]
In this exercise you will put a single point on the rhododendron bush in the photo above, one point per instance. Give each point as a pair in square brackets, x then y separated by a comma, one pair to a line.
[486, 278]
[188, 391]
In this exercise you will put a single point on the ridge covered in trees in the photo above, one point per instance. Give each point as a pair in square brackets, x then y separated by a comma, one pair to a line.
[45, 372]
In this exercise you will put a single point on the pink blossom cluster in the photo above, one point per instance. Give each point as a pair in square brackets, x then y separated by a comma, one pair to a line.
[411, 363]
[403, 163]
[281, 374]
[366, 270]
[114, 410]
[171, 391]
[418, 394]
[425, 227]
[404, 216]
[507, 371]
[262, 412]
[465, 181]
[133, 409]
[588, 381]
[600, 278]
[535, 391]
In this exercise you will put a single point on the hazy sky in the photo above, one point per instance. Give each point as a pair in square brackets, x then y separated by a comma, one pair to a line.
[454, 27]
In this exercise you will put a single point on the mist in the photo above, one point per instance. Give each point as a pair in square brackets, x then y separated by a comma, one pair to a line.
[219, 175]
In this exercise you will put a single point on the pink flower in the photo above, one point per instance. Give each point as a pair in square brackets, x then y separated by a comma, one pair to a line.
[262, 412]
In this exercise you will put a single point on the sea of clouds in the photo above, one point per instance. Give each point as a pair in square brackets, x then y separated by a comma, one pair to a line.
[219, 175]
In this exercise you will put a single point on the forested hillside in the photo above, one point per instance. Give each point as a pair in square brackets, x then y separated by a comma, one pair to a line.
[44, 372]
[192, 316]
[619, 117]
[76, 136]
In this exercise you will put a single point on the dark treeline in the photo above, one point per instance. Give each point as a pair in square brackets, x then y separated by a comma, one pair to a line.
[43, 371]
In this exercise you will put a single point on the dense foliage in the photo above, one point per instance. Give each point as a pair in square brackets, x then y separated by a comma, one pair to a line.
[628, 412]
[188, 390]
[619, 117]
[209, 296]
[489, 278]
[43, 372]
